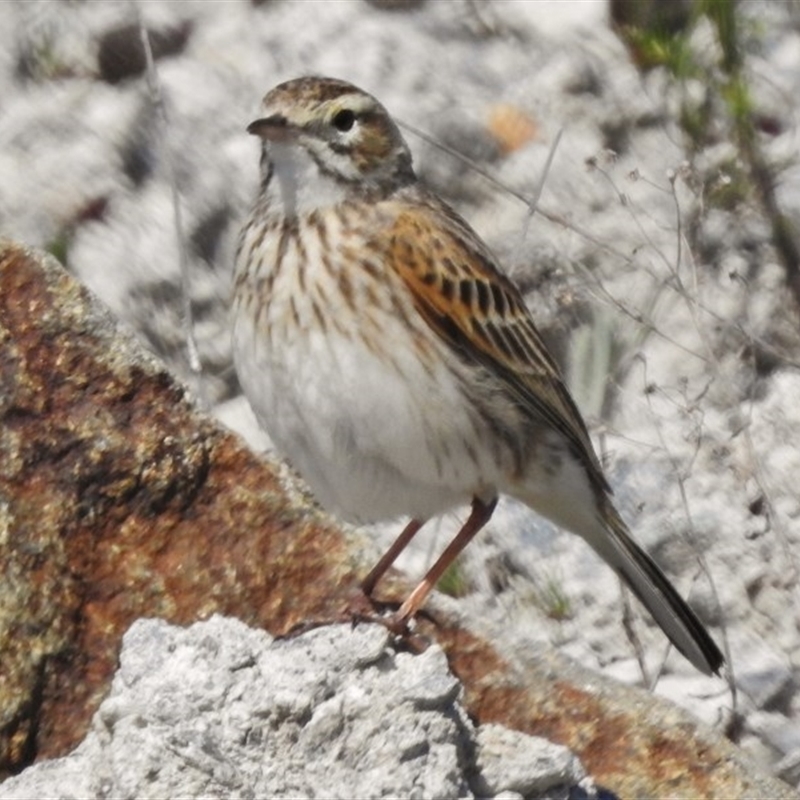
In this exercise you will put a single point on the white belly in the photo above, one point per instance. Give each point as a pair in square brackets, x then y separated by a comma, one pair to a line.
[347, 425]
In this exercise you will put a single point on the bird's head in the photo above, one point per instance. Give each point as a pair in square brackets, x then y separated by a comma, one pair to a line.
[334, 128]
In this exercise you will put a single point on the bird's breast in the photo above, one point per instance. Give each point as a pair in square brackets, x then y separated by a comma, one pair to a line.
[348, 380]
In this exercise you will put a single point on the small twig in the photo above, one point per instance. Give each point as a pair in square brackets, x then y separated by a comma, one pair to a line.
[432, 140]
[701, 561]
[157, 99]
[632, 635]
[784, 239]
[534, 202]
[531, 203]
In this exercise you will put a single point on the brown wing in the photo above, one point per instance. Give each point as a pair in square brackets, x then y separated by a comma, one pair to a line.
[459, 291]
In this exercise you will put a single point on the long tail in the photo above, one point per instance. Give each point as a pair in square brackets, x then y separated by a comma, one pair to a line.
[657, 594]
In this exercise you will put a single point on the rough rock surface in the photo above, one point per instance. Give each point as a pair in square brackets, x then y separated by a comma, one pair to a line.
[99, 529]
[222, 710]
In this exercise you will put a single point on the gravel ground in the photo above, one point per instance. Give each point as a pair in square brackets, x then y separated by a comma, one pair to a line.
[662, 297]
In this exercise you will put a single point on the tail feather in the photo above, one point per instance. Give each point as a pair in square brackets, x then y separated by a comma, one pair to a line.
[657, 594]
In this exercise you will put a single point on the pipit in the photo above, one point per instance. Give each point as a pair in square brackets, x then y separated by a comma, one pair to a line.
[395, 365]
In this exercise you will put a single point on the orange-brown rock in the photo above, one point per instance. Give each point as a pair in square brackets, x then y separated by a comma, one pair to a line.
[119, 499]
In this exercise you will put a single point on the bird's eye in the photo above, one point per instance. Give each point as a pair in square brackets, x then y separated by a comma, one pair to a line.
[344, 120]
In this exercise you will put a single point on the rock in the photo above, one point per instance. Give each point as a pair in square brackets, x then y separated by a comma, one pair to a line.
[763, 674]
[775, 730]
[121, 52]
[221, 710]
[788, 768]
[509, 761]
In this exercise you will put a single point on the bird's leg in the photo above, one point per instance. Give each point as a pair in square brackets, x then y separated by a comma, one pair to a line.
[389, 557]
[481, 512]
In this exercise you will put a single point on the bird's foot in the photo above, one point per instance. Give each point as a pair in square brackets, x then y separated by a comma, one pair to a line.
[363, 608]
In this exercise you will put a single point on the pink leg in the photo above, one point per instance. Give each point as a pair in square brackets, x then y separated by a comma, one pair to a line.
[481, 513]
[399, 544]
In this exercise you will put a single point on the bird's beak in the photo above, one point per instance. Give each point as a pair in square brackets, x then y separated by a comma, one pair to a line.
[275, 128]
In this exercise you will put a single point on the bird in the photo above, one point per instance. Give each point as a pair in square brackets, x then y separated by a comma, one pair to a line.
[395, 365]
